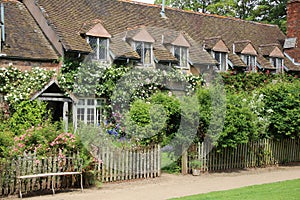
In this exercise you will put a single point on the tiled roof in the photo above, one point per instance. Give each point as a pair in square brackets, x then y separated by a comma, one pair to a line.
[294, 53]
[164, 55]
[266, 50]
[271, 50]
[215, 44]
[264, 62]
[24, 39]
[68, 16]
[122, 49]
[239, 46]
[290, 65]
[209, 43]
[236, 60]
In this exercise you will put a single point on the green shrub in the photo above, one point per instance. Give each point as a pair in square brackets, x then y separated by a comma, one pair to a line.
[283, 101]
[26, 115]
[240, 122]
[140, 112]
[171, 105]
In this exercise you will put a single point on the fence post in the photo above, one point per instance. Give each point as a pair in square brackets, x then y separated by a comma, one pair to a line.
[184, 162]
[158, 160]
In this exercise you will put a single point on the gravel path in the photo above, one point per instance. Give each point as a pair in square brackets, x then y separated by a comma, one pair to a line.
[169, 186]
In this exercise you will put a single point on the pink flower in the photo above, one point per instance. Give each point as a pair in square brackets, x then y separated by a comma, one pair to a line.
[22, 137]
[21, 145]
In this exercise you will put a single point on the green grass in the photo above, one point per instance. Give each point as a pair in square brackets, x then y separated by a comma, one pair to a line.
[273, 191]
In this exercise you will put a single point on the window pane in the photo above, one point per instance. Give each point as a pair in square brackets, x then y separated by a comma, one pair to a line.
[81, 102]
[221, 58]
[147, 53]
[138, 48]
[102, 49]
[222, 61]
[90, 115]
[100, 102]
[177, 53]
[94, 46]
[184, 57]
[278, 64]
[90, 102]
[80, 114]
[217, 57]
[252, 61]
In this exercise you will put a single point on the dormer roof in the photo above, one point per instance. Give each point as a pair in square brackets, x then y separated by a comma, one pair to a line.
[181, 41]
[98, 31]
[143, 36]
[215, 44]
[244, 47]
[271, 50]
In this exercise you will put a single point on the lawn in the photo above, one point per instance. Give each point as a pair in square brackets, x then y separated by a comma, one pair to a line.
[274, 191]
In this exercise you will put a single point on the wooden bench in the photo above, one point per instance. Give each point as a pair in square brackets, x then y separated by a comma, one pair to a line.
[68, 168]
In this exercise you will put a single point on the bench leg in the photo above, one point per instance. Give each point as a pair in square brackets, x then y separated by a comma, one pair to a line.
[81, 182]
[53, 191]
[20, 188]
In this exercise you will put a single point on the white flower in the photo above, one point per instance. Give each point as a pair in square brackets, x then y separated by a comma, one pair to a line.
[270, 111]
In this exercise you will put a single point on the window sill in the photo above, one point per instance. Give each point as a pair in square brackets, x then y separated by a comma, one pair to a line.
[182, 68]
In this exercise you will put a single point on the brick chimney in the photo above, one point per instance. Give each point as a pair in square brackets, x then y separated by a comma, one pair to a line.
[293, 19]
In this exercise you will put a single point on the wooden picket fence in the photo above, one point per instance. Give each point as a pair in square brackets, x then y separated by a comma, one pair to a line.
[260, 153]
[30, 164]
[121, 164]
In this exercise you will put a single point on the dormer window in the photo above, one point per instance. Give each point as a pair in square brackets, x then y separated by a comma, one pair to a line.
[277, 63]
[144, 49]
[247, 53]
[100, 48]
[221, 57]
[219, 51]
[250, 61]
[142, 42]
[181, 53]
[180, 50]
[275, 56]
[98, 39]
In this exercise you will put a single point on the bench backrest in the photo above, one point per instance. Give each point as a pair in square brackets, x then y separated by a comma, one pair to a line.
[33, 165]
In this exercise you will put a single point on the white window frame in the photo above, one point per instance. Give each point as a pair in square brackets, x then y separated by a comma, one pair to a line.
[250, 61]
[221, 57]
[97, 53]
[142, 55]
[277, 63]
[96, 106]
[182, 65]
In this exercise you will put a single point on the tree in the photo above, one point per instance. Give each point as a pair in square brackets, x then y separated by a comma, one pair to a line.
[195, 5]
[271, 11]
[266, 11]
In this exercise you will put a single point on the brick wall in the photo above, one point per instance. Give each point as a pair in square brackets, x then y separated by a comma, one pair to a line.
[293, 19]
[28, 65]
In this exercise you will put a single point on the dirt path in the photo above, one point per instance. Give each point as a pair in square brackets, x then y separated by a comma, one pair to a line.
[168, 186]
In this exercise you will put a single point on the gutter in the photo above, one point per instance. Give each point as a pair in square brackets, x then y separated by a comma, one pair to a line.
[291, 59]
[28, 59]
